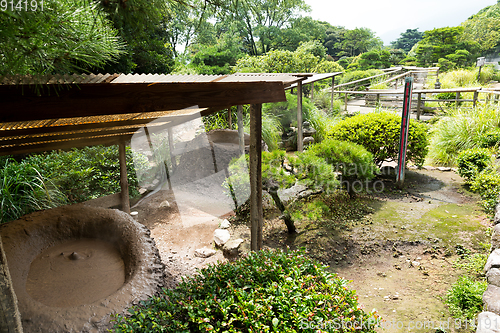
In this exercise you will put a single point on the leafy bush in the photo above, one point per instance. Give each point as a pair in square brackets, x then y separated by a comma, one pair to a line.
[379, 134]
[471, 162]
[461, 130]
[464, 298]
[490, 139]
[448, 95]
[487, 184]
[358, 75]
[268, 291]
[24, 190]
[351, 160]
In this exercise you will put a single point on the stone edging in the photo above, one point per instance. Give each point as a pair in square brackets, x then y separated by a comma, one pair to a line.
[488, 321]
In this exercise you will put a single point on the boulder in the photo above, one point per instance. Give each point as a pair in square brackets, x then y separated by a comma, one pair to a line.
[493, 261]
[224, 224]
[231, 248]
[495, 237]
[221, 236]
[493, 276]
[491, 299]
[488, 322]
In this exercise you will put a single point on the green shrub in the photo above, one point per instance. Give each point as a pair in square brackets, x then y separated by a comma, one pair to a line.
[487, 184]
[24, 190]
[268, 291]
[448, 95]
[358, 75]
[351, 160]
[379, 134]
[464, 298]
[462, 129]
[470, 162]
[490, 139]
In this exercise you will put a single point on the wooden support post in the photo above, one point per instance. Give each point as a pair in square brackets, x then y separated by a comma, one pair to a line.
[229, 118]
[10, 319]
[345, 102]
[256, 215]
[497, 98]
[300, 143]
[241, 133]
[378, 99]
[312, 91]
[123, 179]
[396, 86]
[173, 163]
[476, 95]
[333, 88]
[457, 97]
[419, 105]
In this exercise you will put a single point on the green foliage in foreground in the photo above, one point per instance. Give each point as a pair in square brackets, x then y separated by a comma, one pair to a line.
[379, 134]
[462, 129]
[487, 184]
[268, 291]
[471, 162]
[464, 298]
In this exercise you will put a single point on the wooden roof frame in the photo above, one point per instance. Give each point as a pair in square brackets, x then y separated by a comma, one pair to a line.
[31, 108]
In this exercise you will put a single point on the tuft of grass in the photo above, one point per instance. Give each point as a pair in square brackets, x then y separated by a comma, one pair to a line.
[462, 129]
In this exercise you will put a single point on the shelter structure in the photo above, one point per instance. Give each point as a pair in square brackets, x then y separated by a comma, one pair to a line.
[42, 113]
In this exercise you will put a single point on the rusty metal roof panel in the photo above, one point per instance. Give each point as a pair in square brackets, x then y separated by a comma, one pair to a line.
[164, 78]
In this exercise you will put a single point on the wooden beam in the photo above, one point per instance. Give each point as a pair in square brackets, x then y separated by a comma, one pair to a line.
[241, 133]
[10, 318]
[46, 146]
[300, 143]
[23, 103]
[125, 200]
[256, 212]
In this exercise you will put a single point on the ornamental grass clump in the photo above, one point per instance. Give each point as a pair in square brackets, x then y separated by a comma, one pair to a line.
[268, 291]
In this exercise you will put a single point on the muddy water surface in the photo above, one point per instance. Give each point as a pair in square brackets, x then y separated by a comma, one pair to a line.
[75, 272]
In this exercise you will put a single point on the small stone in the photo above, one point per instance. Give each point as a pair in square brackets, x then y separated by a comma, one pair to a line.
[231, 248]
[224, 224]
[429, 168]
[488, 322]
[142, 190]
[221, 236]
[133, 214]
[204, 252]
[173, 251]
[165, 204]
[382, 274]
[493, 261]
[444, 169]
[415, 263]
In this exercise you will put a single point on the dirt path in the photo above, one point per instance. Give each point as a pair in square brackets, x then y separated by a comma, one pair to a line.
[397, 247]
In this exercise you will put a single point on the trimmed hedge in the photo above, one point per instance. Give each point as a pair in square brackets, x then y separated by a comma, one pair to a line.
[379, 134]
[268, 291]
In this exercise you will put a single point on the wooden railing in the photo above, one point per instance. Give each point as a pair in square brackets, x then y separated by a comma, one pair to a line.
[419, 101]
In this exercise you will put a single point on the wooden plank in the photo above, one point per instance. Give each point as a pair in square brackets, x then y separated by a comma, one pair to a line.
[241, 133]
[35, 148]
[125, 200]
[256, 212]
[10, 318]
[22, 103]
[300, 143]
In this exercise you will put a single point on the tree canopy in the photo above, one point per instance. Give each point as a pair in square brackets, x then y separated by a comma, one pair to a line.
[407, 39]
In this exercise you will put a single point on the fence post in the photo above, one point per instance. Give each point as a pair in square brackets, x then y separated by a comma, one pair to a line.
[476, 94]
[457, 97]
[419, 105]
[333, 86]
[378, 99]
[345, 102]
[403, 137]
[312, 91]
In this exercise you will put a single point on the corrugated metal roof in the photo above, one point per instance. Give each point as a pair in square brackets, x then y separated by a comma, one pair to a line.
[20, 136]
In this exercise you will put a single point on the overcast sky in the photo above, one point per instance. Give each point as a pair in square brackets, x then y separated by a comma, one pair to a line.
[389, 18]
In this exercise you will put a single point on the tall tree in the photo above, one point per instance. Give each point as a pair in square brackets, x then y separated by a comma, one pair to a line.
[259, 21]
[66, 36]
[438, 43]
[407, 39]
[359, 40]
[484, 28]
